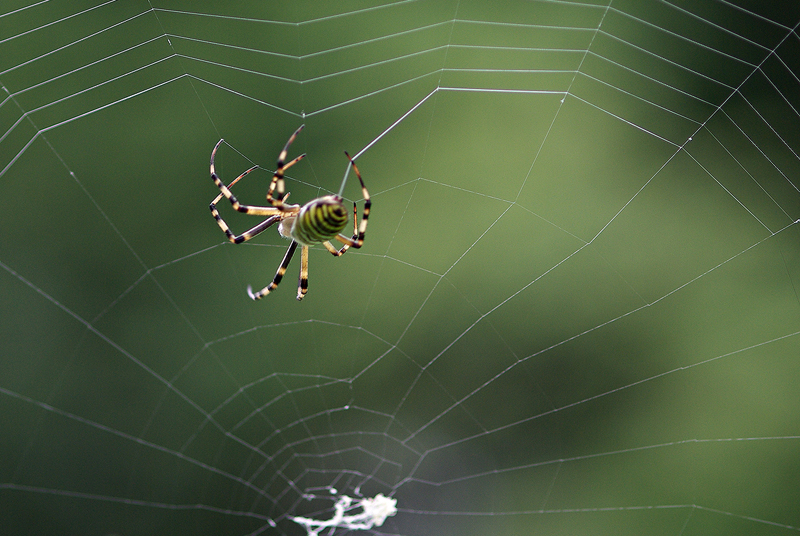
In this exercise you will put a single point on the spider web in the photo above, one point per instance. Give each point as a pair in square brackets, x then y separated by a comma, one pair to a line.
[576, 309]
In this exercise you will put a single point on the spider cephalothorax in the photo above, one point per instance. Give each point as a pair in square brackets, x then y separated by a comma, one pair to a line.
[317, 222]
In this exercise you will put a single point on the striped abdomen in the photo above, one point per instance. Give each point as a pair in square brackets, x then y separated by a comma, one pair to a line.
[319, 220]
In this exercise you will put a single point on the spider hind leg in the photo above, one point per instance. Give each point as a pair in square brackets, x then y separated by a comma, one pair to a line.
[278, 276]
[302, 285]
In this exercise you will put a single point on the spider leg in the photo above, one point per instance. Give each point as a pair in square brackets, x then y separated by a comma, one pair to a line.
[234, 181]
[302, 285]
[274, 213]
[278, 276]
[277, 179]
[357, 239]
[247, 209]
[250, 233]
[247, 235]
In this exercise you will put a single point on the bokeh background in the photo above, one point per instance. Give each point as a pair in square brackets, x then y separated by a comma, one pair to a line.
[576, 310]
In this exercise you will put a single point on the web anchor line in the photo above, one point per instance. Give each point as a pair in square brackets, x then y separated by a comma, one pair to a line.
[381, 135]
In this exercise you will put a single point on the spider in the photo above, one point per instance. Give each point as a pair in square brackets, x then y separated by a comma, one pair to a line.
[318, 221]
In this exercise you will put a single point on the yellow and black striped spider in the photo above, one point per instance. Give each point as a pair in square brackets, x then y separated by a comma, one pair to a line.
[317, 222]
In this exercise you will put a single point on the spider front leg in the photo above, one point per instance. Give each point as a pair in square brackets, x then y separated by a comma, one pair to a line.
[253, 210]
[274, 213]
[250, 233]
[277, 179]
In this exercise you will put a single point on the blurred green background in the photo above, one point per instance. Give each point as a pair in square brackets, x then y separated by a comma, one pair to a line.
[576, 310]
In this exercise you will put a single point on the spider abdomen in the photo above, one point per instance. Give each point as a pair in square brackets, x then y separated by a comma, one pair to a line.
[319, 220]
